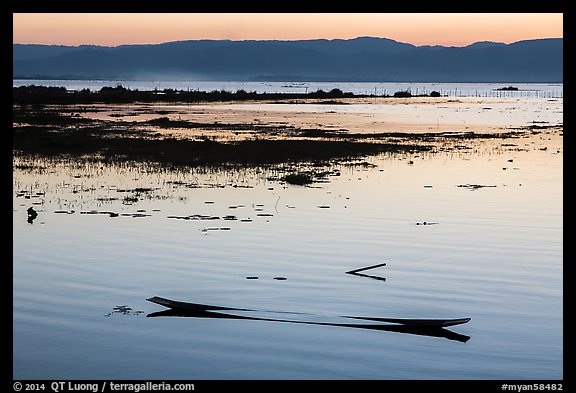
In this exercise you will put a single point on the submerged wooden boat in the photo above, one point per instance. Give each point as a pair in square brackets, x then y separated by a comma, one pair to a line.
[422, 327]
[196, 307]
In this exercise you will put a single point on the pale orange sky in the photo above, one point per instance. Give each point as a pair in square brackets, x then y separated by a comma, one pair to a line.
[450, 29]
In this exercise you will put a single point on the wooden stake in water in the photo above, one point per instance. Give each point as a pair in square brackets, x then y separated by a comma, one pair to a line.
[356, 272]
[365, 268]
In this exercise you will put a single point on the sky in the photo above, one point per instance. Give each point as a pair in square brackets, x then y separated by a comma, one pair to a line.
[448, 29]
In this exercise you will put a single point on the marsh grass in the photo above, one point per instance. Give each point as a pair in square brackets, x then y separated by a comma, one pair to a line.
[48, 131]
[115, 146]
[59, 130]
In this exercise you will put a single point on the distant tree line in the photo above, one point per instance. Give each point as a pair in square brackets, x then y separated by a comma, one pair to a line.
[60, 95]
[32, 94]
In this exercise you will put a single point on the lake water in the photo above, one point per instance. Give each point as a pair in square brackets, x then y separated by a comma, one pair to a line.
[491, 250]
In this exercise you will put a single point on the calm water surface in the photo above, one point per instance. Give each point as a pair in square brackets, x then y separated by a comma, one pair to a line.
[107, 237]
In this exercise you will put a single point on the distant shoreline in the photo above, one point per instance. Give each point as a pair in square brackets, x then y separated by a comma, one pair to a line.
[24, 95]
[273, 79]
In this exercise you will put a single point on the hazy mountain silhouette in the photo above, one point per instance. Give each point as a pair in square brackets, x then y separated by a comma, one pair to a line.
[359, 59]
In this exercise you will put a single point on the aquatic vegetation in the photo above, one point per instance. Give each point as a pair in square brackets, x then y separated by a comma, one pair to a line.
[475, 186]
[300, 179]
[74, 130]
[113, 144]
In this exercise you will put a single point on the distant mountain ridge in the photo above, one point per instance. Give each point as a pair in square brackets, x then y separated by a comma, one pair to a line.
[358, 59]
